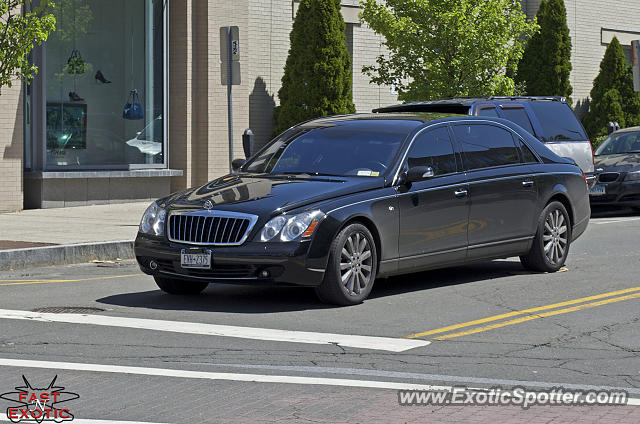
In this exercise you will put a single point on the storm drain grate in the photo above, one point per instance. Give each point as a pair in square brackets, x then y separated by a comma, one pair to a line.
[68, 310]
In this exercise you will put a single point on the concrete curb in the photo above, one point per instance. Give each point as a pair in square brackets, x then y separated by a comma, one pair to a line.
[65, 254]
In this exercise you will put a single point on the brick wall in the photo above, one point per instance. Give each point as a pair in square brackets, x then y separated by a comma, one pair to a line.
[11, 148]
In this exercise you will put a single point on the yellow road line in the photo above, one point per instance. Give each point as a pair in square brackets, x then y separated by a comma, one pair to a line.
[522, 312]
[23, 282]
[536, 316]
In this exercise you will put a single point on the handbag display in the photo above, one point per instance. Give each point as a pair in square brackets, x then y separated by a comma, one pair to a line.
[76, 64]
[133, 109]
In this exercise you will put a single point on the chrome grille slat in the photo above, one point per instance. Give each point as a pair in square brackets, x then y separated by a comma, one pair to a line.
[210, 227]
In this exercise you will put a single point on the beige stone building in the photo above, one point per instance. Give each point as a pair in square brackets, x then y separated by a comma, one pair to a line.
[69, 139]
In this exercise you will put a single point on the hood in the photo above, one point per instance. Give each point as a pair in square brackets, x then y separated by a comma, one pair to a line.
[263, 194]
[618, 163]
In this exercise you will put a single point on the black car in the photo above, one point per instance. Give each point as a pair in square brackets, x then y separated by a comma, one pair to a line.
[334, 203]
[618, 167]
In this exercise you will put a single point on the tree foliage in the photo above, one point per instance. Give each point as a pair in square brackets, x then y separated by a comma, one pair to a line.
[447, 48]
[545, 66]
[612, 95]
[317, 77]
[22, 26]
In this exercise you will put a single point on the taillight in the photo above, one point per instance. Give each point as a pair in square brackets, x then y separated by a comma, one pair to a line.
[584, 176]
[593, 158]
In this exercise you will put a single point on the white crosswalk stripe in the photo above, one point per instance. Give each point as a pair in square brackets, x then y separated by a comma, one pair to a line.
[346, 340]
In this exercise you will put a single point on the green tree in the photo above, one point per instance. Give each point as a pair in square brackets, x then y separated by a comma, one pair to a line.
[545, 67]
[317, 77]
[447, 48]
[612, 95]
[22, 25]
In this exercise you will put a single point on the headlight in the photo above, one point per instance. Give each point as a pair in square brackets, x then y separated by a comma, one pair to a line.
[291, 228]
[272, 228]
[632, 176]
[153, 220]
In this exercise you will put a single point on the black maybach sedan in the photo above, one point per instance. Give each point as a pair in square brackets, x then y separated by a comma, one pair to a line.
[337, 202]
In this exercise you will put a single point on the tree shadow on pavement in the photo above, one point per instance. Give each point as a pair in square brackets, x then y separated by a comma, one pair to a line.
[269, 299]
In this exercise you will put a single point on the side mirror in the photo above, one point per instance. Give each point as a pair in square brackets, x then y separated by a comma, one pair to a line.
[419, 173]
[237, 163]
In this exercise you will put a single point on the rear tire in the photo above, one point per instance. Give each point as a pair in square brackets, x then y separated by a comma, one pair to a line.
[352, 267]
[551, 243]
[173, 286]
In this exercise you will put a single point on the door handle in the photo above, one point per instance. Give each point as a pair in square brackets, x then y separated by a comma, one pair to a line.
[527, 183]
[461, 193]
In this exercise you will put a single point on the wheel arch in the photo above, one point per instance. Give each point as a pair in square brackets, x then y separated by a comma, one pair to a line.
[373, 229]
[562, 197]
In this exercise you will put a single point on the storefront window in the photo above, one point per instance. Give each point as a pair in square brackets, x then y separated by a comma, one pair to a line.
[104, 85]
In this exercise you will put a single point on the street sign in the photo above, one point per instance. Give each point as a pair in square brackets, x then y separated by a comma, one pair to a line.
[230, 74]
[224, 44]
[635, 62]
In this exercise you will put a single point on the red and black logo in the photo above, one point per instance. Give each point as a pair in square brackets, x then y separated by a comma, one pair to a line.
[38, 405]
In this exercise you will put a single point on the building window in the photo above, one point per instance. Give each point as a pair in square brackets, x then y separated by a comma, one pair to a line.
[103, 83]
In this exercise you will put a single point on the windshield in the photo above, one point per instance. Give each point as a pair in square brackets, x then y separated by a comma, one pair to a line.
[353, 148]
[626, 142]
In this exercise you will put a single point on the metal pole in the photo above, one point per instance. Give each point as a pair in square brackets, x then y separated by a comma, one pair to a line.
[229, 100]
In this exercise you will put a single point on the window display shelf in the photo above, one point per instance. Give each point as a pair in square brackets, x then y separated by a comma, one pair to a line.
[143, 173]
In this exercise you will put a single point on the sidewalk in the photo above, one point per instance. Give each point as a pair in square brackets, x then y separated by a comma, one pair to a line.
[68, 235]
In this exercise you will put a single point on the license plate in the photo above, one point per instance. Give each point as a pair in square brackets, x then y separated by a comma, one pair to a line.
[195, 259]
[598, 190]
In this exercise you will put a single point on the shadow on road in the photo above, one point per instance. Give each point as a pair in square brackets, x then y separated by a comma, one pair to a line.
[259, 300]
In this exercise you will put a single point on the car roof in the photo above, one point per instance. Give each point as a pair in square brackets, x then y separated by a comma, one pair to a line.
[461, 105]
[418, 117]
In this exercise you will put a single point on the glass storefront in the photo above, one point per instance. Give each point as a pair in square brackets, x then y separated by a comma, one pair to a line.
[103, 85]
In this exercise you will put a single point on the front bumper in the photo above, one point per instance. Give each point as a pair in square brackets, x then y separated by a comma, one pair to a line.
[622, 193]
[285, 263]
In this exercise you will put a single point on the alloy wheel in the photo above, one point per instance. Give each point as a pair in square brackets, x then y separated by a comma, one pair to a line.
[555, 236]
[356, 263]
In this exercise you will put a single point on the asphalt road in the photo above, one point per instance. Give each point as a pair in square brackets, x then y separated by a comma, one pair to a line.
[483, 325]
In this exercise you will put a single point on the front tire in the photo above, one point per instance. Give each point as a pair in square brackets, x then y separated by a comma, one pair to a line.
[352, 267]
[172, 286]
[551, 243]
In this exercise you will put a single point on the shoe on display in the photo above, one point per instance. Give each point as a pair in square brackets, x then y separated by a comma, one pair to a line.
[100, 77]
[73, 96]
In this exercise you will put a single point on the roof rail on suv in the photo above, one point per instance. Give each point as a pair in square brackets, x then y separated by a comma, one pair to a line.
[459, 104]
[552, 98]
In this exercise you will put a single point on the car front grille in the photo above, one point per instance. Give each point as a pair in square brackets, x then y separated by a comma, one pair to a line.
[210, 227]
[608, 177]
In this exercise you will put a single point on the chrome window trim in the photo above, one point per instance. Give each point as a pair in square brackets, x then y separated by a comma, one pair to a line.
[212, 214]
[447, 123]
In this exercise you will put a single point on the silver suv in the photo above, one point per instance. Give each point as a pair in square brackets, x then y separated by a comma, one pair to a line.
[550, 119]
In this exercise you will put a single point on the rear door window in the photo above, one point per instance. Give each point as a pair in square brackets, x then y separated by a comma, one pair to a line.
[558, 121]
[527, 154]
[519, 116]
[486, 145]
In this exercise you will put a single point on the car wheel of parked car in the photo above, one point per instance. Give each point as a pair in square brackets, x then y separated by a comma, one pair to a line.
[352, 267]
[172, 286]
[551, 243]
